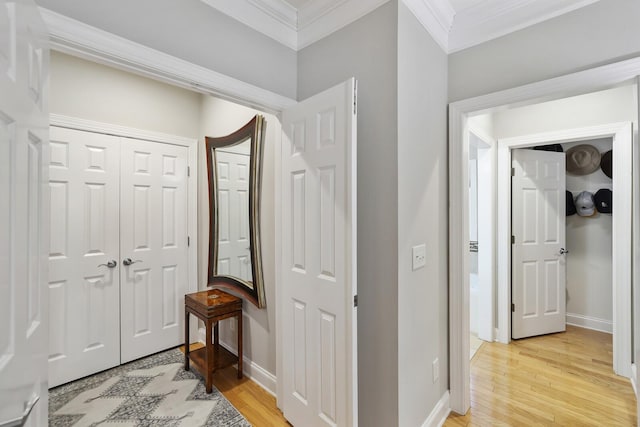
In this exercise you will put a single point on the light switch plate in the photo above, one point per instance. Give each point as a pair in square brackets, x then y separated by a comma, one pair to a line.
[419, 256]
[435, 367]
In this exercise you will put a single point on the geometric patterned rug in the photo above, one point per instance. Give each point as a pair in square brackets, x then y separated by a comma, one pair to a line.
[154, 391]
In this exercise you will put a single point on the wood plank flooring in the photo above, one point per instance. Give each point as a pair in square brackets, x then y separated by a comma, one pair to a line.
[253, 402]
[560, 379]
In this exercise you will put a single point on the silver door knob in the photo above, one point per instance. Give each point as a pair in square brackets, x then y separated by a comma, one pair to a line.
[563, 251]
[110, 264]
[128, 261]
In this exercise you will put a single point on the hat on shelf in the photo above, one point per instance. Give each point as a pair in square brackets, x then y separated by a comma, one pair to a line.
[571, 206]
[585, 205]
[604, 200]
[606, 163]
[583, 159]
[551, 147]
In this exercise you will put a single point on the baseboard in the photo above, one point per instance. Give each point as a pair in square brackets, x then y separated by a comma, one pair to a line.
[440, 412]
[590, 322]
[252, 370]
[634, 376]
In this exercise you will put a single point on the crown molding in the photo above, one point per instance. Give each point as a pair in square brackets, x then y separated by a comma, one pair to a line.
[294, 28]
[436, 16]
[79, 39]
[490, 20]
[273, 18]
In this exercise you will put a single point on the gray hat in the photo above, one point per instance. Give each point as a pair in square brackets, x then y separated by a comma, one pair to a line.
[583, 159]
[585, 205]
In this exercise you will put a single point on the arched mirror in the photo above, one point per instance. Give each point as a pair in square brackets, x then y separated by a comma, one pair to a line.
[234, 164]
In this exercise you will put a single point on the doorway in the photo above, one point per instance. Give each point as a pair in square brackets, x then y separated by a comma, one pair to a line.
[460, 113]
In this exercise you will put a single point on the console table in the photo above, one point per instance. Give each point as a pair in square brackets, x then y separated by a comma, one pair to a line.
[211, 306]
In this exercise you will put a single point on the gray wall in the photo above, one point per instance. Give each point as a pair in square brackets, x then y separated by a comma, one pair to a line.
[195, 32]
[601, 33]
[422, 218]
[366, 50]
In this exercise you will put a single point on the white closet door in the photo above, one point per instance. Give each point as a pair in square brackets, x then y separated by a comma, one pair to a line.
[234, 256]
[153, 235]
[84, 289]
[538, 250]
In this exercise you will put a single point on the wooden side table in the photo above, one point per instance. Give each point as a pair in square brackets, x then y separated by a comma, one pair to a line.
[211, 306]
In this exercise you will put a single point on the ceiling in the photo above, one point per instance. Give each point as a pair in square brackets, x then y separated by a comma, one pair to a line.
[454, 24]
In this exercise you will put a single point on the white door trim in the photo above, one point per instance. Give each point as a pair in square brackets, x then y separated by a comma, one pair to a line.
[79, 39]
[560, 87]
[622, 239]
[486, 234]
[192, 185]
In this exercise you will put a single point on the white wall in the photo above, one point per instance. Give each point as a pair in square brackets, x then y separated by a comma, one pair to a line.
[592, 109]
[422, 218]
[195, 32]
[589, 241]
[218, 118]
[601, 33]
[367, 50]
[92, 91]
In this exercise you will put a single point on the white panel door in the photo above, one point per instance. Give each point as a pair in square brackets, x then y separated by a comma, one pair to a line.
[84, 278]
[234, 257]
[153, 236]
[319, 260]
[538, 251]
[24, 210]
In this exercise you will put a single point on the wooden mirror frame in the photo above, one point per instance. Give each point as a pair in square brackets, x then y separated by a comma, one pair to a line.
[254, 130]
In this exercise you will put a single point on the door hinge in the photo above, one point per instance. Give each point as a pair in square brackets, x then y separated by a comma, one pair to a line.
[513, 308]
[513, 240]
[188, 170]
[188, 241]
[513, 171]
[355, 300]
[355, 97]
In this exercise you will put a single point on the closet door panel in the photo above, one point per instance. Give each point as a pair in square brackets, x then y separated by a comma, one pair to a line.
[153, 236]
[84, 175]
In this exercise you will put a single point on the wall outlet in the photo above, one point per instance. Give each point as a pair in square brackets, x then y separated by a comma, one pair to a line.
[436, 370]
[419, 256]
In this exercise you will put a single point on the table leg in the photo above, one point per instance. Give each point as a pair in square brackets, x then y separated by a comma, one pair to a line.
[239, 345]
[186, 340]
[209, 345]
[216, 336]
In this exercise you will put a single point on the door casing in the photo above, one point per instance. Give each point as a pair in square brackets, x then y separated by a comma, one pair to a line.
[592, 80]
[622, 147]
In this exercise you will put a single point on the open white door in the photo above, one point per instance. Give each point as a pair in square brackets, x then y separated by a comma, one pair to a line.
[538, 249]
[635, 269]
[318, 262]
[24, 215]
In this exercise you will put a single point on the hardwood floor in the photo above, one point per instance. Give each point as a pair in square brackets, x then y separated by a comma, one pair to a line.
[253, 402]
[560, 379]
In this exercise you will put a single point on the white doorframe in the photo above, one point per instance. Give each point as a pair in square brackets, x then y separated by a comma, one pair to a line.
[192, 183]
[622, 148]
[486, 234]
[560, 87]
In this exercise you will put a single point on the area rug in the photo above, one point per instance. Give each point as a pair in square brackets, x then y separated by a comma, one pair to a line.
[154, 391]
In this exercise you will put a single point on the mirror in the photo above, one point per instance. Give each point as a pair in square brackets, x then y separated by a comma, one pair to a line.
[234, 165]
